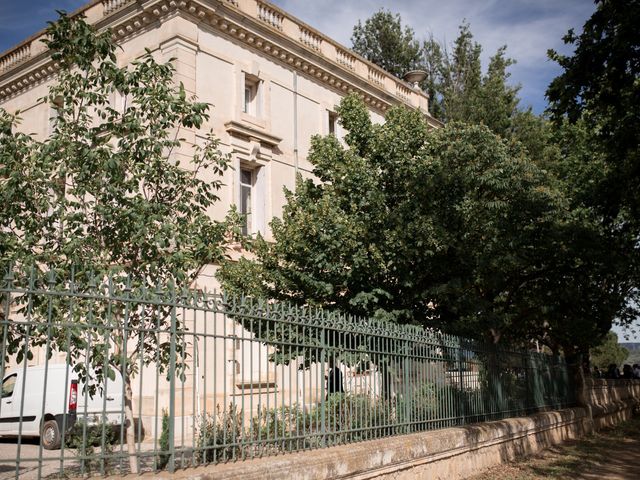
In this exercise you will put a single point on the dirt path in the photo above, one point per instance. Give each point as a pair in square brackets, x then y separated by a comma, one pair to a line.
[611, 455]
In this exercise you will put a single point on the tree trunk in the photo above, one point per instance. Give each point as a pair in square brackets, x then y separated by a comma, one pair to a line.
[574, 361]
[131, 434]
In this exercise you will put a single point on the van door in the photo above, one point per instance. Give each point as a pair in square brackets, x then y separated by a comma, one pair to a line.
[106, 405]
[9, 404]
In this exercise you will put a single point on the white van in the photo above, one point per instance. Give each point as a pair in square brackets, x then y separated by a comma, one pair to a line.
[65, 402]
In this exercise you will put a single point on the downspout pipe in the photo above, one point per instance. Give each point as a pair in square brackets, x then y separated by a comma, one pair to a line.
[295, 124]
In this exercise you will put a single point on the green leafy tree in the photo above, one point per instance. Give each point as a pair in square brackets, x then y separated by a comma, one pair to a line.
[432, 63]
[457, 87]
[594, 270]
[461, 77]
[451, 228]
[609, 352]
[594, 105]
[599, 86]
[383, 41]
[465, 93]
[104, 196]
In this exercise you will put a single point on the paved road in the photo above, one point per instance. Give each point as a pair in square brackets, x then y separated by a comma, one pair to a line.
[28, 469]
[51, 460]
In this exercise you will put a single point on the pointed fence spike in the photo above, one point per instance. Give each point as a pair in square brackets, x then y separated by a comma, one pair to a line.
[9, 276]
[51, 277]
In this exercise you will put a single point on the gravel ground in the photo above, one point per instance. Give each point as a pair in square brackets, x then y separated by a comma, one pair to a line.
[610, 454]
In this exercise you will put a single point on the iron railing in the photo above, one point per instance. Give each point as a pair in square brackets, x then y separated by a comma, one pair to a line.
[215, 379]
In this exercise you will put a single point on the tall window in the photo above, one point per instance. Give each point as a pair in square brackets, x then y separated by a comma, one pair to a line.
[333, 121]
[251, 100]
[247, 182]
[54, 112]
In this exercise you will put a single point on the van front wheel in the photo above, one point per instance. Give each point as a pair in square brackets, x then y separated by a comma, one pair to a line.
[50, 436]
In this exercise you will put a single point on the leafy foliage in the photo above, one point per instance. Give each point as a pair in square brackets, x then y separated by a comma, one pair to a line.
[162, 459]
[594, 105]
[220, 436]
[599, 86]
[383, 41]
[457, 87]
[595, 250]
[93, 445]
[609, 352]
[452, 228]
[106, 200]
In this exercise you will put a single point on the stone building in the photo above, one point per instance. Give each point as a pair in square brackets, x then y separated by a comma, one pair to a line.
[273, 81]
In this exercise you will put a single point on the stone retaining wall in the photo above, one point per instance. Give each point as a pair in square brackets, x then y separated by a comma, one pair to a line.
[609, 402]
[441, 454]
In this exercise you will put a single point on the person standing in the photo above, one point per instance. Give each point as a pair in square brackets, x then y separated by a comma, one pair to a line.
[334, 379]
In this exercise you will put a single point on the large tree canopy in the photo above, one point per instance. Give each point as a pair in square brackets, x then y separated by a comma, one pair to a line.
[383, 41]
[452, 228]
[589, 153]
[600, 86]
[595, 105]
[458, 88]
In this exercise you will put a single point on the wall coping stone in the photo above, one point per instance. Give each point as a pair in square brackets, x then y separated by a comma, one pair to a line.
[370, 459]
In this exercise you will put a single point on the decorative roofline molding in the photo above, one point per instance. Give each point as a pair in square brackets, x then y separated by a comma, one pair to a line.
[268, 29]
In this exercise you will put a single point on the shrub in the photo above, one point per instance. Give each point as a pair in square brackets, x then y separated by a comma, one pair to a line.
[93, 445]
[278, 429]
[163, 457]
[220, 437]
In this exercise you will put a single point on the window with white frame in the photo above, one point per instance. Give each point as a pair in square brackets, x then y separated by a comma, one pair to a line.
[247, 182]
[54, 112]
[251, 198]
[251, 102]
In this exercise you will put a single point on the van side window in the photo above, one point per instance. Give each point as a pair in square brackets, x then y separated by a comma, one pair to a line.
[8, 384]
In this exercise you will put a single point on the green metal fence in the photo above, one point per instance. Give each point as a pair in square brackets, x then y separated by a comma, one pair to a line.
[204, 379]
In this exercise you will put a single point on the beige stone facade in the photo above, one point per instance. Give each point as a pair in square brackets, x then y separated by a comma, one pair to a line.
[273, 82]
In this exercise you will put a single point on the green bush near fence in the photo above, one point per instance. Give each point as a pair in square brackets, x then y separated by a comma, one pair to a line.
[220, 437]
[163, 442]
[428, 406]
[341, 418]
[345, 418]
[277, 429]
[93, 446]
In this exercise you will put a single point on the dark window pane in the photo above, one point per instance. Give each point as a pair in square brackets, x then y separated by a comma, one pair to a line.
[246, 177]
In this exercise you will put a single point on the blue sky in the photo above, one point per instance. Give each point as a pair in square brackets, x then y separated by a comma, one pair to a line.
[527, 27]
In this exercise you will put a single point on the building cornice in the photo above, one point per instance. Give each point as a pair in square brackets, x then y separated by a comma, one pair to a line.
[256, 24]
[252, 134]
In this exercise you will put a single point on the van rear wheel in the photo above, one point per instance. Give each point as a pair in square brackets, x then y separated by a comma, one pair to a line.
[50, 435]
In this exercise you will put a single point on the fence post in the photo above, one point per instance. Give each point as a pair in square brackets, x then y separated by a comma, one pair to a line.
[407, 397]
[172, 383]
[8, 284]
[525, 369]
[461, 392]
[323, 392]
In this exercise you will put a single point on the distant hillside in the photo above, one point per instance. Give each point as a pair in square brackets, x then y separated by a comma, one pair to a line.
[631, 346]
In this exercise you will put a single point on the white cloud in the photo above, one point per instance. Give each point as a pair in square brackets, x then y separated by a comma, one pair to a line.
[528, 27]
